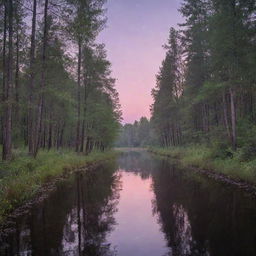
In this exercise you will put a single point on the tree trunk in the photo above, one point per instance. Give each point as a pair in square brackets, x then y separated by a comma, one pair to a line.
[7, 145]
[82, 137]
[60, 142]
[225, 113]
[4, 69]
[50, 136]
[233, 118]
[78, 95]
[17, 68]
[42, 86]
[31, 128]
[84, 116]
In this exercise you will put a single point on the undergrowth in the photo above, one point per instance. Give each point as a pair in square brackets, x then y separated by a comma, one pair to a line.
[205, 157]
[21, 178]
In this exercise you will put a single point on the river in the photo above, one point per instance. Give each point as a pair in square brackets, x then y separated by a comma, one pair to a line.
[139, 205]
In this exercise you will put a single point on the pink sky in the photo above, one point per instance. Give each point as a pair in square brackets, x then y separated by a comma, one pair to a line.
[135, 33]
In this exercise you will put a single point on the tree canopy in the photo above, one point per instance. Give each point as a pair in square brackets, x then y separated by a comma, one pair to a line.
[57, 88]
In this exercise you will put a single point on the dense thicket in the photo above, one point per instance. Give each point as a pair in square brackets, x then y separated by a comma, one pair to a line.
[205, 90]
[56, 84]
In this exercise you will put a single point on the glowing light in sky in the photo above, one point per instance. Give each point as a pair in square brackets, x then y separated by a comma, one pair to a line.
[135, 33]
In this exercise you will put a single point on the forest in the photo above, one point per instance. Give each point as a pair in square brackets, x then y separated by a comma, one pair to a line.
[205, 88]
[56, 85]
[204, 100]
[59, 108]
[180, 180]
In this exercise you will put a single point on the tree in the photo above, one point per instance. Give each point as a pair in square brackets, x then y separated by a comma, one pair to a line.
[38, 128]
[229, 46]
[137, 134]
[31, 125]
[165, 109]
[7, 89]
[215, 103]
[43, 97]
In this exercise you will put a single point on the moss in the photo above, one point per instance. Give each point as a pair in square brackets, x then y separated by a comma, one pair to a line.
[204, 157]
[22, 177]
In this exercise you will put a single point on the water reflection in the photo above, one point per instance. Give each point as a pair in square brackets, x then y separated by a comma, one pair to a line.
[73, 221]
[137, 232]
[182, 230]
[202, 217]
[147, 206]
[138, 162]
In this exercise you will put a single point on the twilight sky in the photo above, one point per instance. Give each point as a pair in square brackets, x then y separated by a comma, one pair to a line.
[135, 33]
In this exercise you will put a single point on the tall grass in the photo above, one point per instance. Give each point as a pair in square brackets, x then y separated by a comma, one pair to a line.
[204, 157]
[21, 178]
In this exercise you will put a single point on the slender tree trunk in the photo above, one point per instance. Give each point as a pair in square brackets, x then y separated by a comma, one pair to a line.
[78, 95]
[7, 145]
[44, 136]
[84, 116]
[87, 150]
[17, 68]
[17, 75]
[50, 136]
[233, 118]
[180, 135]
[25, 130]
[4, 69]
[42, 86]
[216, 119]
[82, 137]
[225, 112]
[17, 120]
[31, 127]
[60, 144]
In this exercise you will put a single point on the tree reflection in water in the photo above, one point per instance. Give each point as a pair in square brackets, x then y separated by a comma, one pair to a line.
[88, 224]
[74, 220]
[196, 215]
[200, 216]
[183, 236]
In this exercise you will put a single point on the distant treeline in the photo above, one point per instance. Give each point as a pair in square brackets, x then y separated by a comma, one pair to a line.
[206, 86]
[138, 134]
[56, 84]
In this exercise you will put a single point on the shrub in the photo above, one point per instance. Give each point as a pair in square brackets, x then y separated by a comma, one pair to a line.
[248, 152]
[221, 150]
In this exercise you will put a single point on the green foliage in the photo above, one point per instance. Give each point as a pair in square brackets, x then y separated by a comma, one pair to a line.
[221, 150]
[48, 90]
[22, 177]
[248, 152]
[210, 62]
[166, 107]
[102, 110]
[204, 157]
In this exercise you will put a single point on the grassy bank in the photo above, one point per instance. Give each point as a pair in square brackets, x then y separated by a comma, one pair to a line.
[206, 158]
[21, 178]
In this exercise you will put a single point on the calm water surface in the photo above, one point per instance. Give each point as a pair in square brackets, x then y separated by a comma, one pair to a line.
[140, 205]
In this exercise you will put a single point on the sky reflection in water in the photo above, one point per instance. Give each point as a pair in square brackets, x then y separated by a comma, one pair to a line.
[139, 206]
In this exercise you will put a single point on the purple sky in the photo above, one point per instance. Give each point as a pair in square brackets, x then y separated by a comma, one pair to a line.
[134, 36]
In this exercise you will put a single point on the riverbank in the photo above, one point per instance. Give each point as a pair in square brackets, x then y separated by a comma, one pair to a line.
[231, 170]
[23, 177]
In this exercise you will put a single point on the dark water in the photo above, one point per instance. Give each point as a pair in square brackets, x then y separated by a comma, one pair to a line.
[139, 206]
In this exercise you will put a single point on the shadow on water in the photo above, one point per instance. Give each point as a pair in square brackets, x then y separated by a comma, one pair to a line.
[193, 215]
